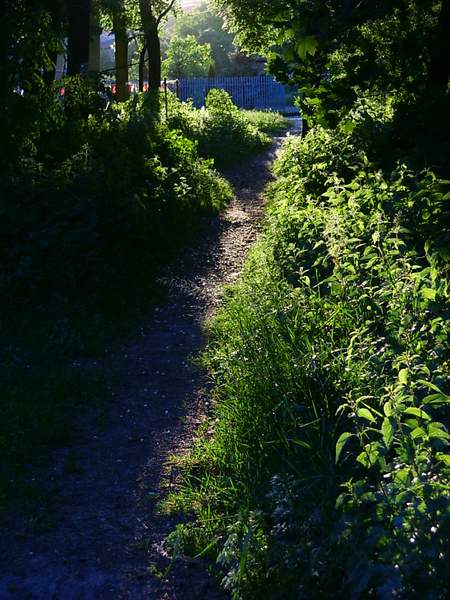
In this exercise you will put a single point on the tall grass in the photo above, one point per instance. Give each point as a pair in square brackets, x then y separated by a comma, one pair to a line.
[325, 469]
[267, 121]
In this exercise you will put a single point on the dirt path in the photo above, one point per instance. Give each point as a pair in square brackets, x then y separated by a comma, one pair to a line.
[103, 532]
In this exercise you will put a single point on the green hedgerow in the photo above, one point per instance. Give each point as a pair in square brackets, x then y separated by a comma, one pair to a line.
[325, 470]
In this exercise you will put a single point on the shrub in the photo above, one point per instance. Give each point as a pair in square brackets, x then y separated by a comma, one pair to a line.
[83, 227]
[222, 131]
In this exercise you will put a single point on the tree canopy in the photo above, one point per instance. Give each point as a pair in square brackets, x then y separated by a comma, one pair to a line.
[333, 48]
[207, 24]
[187, 58]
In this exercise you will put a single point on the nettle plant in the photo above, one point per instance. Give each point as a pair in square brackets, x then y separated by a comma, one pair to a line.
[376, 248]
[398, 513]
[396, 502]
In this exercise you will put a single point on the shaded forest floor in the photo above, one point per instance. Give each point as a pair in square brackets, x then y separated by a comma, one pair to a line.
[97, 533]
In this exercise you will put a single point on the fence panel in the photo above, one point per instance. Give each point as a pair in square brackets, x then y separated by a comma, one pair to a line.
[261, 92]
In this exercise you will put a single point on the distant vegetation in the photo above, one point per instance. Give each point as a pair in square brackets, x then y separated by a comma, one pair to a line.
[268, 121]
[205, 25]
[187, 58]
[221, 130]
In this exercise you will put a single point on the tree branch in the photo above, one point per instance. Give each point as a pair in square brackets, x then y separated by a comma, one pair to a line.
[165, 12]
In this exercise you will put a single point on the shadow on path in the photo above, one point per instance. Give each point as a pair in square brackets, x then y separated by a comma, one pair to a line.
[103, 534]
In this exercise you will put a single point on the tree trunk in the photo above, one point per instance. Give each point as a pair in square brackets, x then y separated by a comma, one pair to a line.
[439, 68]
[154, 57]
[151, 35]
[142, 54]
[79, 12]
[94, 41]
[121, 57]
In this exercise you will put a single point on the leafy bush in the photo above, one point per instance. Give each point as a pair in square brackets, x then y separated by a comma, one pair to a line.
[84, 223]
[222, 131]
[325, 470]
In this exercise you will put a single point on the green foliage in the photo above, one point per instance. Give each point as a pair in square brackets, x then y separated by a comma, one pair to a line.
[221, 130]
[335, 50]
[267, 121]
[88, 217]
[187, 58]
[325, 469]
[27, 105]
[126, 12]
[207, 24]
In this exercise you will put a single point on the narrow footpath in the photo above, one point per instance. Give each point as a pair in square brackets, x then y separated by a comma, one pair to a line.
[102, 538]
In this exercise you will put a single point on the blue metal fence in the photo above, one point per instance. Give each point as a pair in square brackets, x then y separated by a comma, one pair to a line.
[261, 92]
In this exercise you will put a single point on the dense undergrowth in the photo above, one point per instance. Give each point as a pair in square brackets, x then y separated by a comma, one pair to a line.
[102, 197]
[221, 130]
[325, 470]
[89, 217]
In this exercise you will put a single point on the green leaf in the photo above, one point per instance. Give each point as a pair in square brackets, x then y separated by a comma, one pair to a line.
[418, 432]
[403, 376]
[429, 294]
[347, 127]
[437, 431]
[417, 412]
[365, 413]
[301, 443]
[437, 399]
[307, 45]
[445, 458]
[370, 454]
[432, 386]
[341, 443]
[245, 550]
[387, 409]
[388, 431]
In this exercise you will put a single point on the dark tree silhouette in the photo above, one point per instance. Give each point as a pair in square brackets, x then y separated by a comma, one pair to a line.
[78, 13]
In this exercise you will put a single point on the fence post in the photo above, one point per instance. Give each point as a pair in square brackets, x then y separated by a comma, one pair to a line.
[177, 88]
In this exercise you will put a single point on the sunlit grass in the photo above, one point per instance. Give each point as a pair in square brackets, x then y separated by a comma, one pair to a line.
[337, 332]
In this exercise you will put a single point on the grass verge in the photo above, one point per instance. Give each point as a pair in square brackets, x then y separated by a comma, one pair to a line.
[267, 121]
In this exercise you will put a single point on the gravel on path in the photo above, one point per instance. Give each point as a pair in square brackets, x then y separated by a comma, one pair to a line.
[103, 533]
